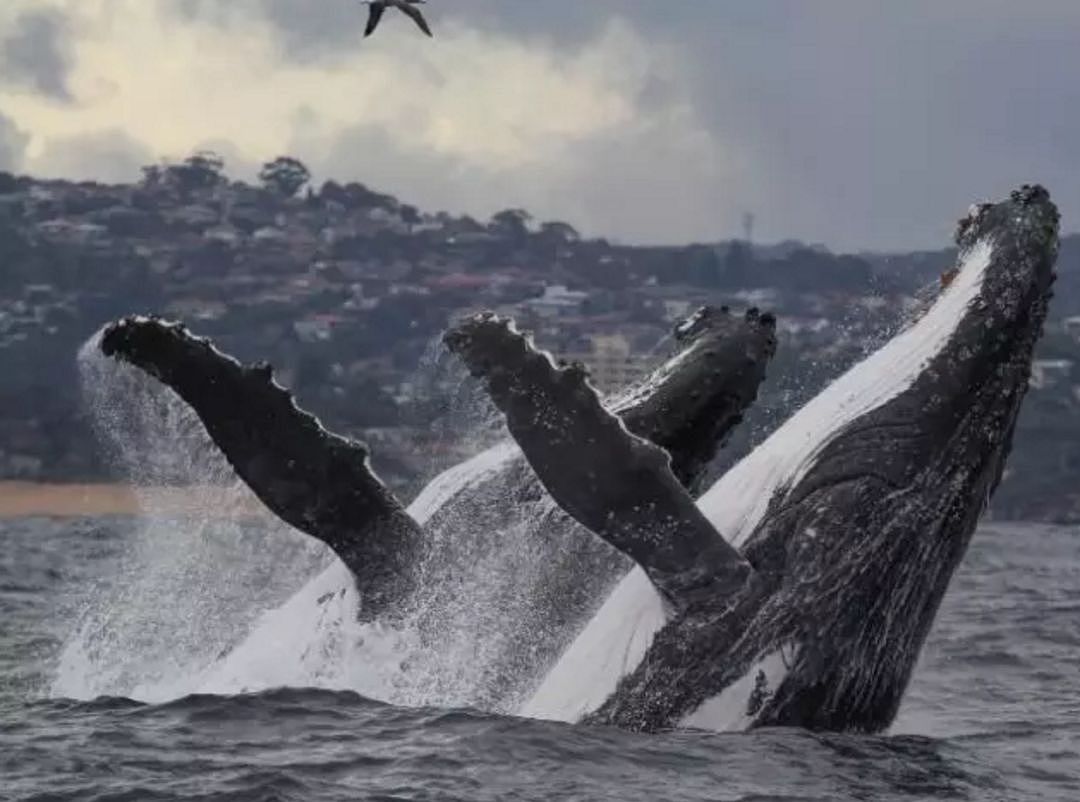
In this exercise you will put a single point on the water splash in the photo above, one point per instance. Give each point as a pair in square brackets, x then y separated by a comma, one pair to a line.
[207, 601]
[458, 415]
[192, 580]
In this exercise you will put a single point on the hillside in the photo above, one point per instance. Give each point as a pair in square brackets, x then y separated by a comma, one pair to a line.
[345, 289]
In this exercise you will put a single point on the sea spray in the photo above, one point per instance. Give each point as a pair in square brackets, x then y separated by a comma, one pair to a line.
[482, 571]
[190, 584]
[215, 601]
[454, 410]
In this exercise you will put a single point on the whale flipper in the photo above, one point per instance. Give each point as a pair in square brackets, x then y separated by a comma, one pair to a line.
[616, 484]
[692, 402]
[316, 481]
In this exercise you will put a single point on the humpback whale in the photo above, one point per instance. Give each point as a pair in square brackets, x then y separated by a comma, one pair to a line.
[797, 590]
[407, 563]
[800, 589]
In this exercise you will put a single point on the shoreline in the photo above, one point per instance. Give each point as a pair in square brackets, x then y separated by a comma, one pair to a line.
[87, 500]
[20, 499]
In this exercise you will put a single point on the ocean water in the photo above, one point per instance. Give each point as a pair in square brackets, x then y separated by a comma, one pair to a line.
[992, 714]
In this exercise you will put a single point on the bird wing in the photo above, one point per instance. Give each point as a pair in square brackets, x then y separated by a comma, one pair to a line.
[375, 12]
[417, 17]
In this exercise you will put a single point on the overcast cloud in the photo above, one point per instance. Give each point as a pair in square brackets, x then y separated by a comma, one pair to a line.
[858, 124]
[35, 52]
[12, 144]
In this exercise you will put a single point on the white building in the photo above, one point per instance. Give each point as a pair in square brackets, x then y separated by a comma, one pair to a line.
[557, 301]
[611, 363]
[1048, 372]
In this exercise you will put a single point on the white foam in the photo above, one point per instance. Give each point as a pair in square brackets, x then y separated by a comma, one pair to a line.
[627, 622]
[314, 639]
[188, 584]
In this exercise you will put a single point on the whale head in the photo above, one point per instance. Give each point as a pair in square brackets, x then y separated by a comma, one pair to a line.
[854, 514]
[888, 472]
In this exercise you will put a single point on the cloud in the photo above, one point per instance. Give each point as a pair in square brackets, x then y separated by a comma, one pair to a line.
[35, 53]
[110, 156]
[858, 124]
[474, 121]
[12, 145]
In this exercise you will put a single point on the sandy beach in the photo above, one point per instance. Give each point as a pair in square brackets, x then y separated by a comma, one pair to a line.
[25, 499]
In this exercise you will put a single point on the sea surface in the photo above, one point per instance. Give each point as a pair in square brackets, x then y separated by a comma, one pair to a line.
[992, 714]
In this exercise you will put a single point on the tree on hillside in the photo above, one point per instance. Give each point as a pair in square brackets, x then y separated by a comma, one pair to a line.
[333, 192]
[202, 170]
[153, 175]
[410, 216]
[8, 183]
[285, 175]
[555, 237]
[355, 195]
[557, 231]
[512, 223]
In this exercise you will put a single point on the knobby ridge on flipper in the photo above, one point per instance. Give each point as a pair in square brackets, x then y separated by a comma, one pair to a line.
[319, 482]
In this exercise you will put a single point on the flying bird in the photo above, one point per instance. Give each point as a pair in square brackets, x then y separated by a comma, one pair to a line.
[409, 7]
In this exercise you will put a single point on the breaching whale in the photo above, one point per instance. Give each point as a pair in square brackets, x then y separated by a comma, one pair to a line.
[413, 563]
[801, 588]
[797, 591]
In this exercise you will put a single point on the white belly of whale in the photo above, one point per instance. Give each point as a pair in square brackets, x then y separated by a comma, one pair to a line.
[611, 646]
[736, 707]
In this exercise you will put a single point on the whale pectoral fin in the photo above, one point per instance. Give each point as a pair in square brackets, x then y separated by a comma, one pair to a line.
[618, 485]
[314, 480]
[692, 402]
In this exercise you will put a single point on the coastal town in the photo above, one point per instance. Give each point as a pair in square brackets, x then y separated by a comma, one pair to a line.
[346, 291]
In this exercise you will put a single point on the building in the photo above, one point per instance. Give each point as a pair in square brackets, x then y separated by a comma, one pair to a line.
[611, 363]
[1048, 372]
[557, 301]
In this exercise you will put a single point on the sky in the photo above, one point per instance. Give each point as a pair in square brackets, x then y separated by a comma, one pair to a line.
[861, 124]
